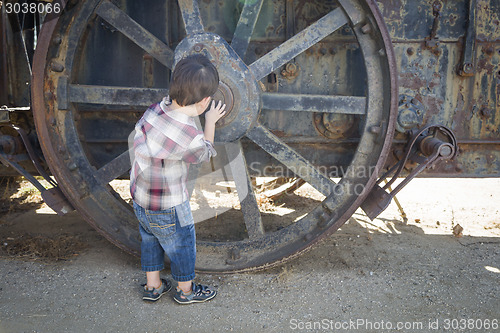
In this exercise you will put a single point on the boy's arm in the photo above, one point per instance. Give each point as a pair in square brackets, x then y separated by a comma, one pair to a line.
[202, 148]
[211, 117]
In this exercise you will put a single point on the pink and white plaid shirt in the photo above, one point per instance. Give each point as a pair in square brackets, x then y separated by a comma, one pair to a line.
[164, 144]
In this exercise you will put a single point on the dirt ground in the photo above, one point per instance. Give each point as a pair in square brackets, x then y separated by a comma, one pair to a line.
[380, 276]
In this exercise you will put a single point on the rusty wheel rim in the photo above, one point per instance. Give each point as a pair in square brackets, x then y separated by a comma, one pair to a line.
[55, 94]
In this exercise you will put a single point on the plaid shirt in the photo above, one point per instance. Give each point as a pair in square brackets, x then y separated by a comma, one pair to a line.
[164, 144]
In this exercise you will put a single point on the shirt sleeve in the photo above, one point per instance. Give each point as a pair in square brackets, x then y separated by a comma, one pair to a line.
[200, 150]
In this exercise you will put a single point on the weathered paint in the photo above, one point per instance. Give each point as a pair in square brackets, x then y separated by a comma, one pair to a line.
[468, 105]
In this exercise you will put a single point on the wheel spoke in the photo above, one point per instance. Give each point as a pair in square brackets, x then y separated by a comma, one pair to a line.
[109, 95]
[245, 26]
[114, 169]
[191, 16]
[136, 33]
[290, 158]
[314, 103]
[299, 43]
[249, 206]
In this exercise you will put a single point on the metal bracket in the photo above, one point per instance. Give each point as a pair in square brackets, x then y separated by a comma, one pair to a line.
[4, 114]
[427, 147]
[466, 66]
[432, 42]
[53, 197]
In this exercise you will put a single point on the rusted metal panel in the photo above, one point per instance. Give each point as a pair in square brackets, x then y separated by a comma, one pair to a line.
[469, 105]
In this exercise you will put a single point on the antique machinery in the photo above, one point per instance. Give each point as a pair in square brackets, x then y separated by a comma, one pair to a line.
[312, 93]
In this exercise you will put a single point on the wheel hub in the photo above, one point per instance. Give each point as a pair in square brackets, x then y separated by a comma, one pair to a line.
[225, 95]
[238, 89]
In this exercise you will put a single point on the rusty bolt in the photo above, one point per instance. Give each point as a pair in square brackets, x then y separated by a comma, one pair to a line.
[332, 50]
[198, 47]
[49, 95]
[61, 149]
[57, 39]
[235, 254]
[72, 166]
[375, 129]
[262, 86]
[436, 7]
[326, 208]
[410, 51]
[52, 121]
[468, 68]
[307, 237]
[323, 219]
[352, 46]
[485, 112]
[323, 51]
[366, 29]
[489, 50]
[56, 66]
[291, 68]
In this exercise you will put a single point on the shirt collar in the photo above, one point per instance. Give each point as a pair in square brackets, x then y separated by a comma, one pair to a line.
[172, 113]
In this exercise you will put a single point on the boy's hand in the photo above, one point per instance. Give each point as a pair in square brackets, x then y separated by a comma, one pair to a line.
[216, 112]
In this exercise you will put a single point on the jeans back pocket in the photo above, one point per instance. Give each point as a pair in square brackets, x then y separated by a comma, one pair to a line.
[162, 223]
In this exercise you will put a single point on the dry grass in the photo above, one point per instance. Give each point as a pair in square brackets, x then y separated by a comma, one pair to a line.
[18, 194]
[30, 247]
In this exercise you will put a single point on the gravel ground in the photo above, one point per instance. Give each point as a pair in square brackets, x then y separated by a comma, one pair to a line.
[368, 277]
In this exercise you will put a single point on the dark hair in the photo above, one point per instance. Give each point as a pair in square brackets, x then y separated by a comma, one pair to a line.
[193, 79]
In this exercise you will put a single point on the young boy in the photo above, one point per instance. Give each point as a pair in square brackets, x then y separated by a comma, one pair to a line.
[166, 141]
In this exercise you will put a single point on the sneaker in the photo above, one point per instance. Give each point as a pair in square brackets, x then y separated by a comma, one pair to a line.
[199, 293]
[152, 295]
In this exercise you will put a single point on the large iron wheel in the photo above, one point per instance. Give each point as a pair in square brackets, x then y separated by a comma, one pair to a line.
[69, 110]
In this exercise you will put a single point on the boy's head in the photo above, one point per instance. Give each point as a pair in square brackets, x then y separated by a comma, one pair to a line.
[193, 79]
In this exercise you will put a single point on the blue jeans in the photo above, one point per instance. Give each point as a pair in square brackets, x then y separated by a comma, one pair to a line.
[162, 233]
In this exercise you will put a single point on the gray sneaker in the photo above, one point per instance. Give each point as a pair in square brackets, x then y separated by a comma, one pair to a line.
[152, 295]
[199, 293]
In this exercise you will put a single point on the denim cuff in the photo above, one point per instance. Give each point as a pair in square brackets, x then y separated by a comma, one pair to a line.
[184, 278]
[152, 268]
